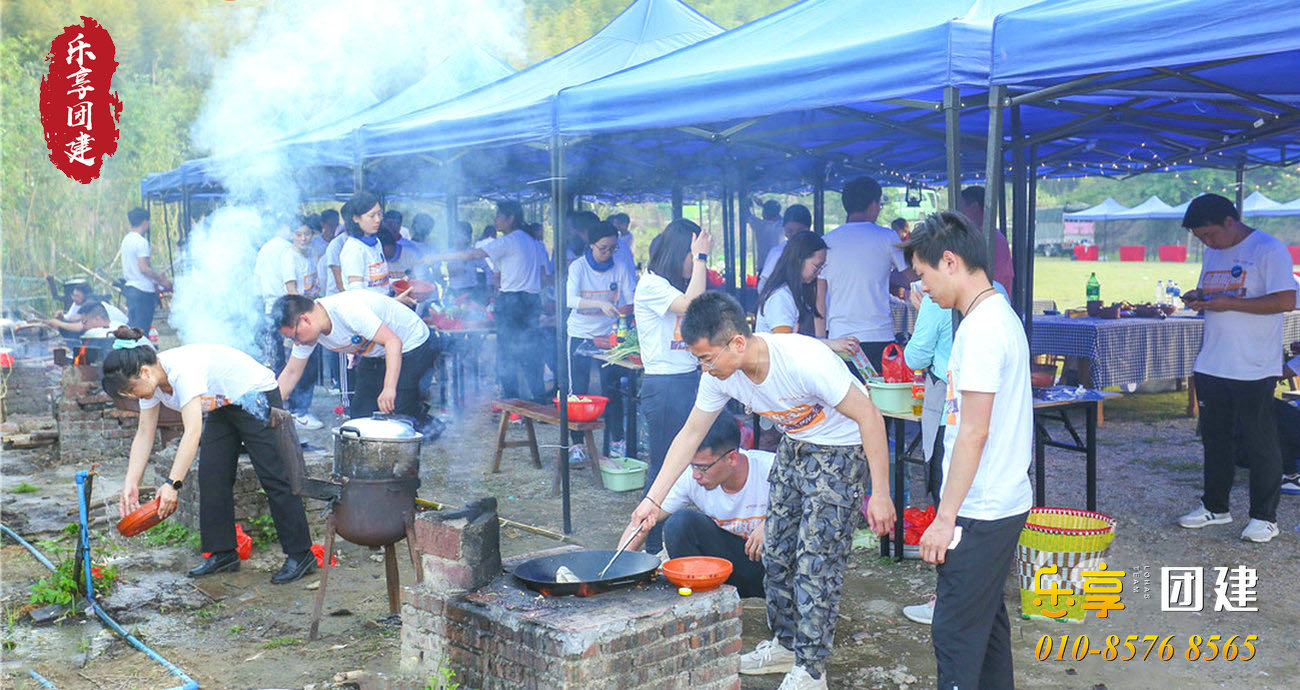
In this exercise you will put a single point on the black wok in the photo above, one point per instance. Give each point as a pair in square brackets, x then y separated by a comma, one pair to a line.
[631, 568]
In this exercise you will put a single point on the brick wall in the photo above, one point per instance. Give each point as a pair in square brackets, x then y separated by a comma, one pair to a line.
[28, 387]
[502, 636]
[91, 427]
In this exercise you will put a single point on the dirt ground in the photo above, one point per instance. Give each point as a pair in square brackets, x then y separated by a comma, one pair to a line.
[239, 631]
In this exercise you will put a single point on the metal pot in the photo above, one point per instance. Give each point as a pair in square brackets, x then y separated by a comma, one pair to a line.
[379, 447]
[375, 512]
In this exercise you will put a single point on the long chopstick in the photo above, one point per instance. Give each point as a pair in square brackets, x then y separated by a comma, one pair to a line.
[621, 548]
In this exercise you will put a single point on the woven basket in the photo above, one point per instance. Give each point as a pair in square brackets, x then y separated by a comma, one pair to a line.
[1072, 540]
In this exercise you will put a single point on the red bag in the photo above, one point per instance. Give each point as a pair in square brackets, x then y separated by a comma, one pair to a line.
[243, 544]
[893, 367]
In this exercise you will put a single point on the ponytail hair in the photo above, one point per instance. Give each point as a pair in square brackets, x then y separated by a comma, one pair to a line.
[124, 363]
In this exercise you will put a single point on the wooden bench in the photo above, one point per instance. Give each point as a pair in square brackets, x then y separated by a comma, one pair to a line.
[546, 414]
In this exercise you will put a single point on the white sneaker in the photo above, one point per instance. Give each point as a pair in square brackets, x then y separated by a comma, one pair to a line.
[1203, 518]
[1259, 531]
[577, 454]
[768, 657]
[618, 449]
[799, 679]
[308, 421]
[921, 613]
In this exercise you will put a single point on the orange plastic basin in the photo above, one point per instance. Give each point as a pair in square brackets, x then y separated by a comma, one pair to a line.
[586, 411]
[700, 573]
[420, 289]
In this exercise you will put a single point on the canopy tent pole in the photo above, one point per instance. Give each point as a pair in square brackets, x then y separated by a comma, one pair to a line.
[1031, 227]
[951, 141]
[167, 230]
[1021, 253]
[993, 171]
[1241, 187]
[559, 201]
[819, 201]
[677, 202]
[743, 224]
[451, 215]
[726, 236]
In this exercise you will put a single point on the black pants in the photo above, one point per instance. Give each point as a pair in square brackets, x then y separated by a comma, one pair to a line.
[666, 401]
[224, 430]
[1237, 421]
[1288, 434]
[971, 632]
[517, 349]
[140, 306]
[580, 384]
[692, 533]
[370, 382]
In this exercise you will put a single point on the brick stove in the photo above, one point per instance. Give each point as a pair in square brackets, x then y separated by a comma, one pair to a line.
[495, 633]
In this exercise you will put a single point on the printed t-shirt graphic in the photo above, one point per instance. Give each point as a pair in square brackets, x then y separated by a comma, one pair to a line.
[1231, 282]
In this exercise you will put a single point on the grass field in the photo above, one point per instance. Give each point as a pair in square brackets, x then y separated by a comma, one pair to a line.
[1063, 280]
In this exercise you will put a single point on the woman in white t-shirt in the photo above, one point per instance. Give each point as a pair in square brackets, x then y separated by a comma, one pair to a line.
[300, 279]
[362, 258]
[599, 292]
[677, 255]
[225, 399]
[788, 301]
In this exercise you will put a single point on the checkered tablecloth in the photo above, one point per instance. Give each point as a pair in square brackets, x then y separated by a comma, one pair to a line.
[1131, 351]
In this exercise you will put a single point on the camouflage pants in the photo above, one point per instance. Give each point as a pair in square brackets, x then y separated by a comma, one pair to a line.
[816, 493]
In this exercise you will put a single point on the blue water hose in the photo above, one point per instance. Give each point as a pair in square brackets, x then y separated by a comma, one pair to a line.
[187, 683]
[45, 682]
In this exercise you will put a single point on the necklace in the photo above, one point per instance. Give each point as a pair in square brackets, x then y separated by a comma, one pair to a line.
[975, 298]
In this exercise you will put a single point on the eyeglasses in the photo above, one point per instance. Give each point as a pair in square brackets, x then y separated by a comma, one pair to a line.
[604, 248]
[705, 469]
[295, 337]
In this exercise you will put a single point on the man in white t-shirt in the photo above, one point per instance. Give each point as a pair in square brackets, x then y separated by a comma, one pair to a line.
[142, 282]
[393, 347]
[796, 220]
[767, 230]
[623, 255]
[816, 481]
[853, 290]
[522, 263]
[1245, 287]
[728, 490]
[985, 496]
[299, 278]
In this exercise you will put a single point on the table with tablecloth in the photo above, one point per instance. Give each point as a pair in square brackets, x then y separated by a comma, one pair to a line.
[1131, 351]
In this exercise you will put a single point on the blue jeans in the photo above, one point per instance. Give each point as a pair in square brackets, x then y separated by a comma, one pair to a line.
[140, 306]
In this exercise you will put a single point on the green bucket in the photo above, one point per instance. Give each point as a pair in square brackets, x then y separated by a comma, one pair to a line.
[623, 474]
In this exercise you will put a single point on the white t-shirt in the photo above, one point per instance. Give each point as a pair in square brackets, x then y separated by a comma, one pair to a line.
[521, 260]
[769, 264]
[779, 310]
[115, 315]
[355, 318]
[332, 258]
[1236, 345]
[317, 248]
[134, 248]
[623, 253]
[360, 259]
[218, 374]
[658, 330]
[404, 265]
[858, 262]
[267, 269]
[805, 381]
[463, 275]
[301, 270]
[739, 513]
[615, 286]
[73, 310]
[990, 355]
[480, 245]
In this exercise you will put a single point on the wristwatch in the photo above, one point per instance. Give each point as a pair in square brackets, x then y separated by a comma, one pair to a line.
[701, 257]
[175, 483]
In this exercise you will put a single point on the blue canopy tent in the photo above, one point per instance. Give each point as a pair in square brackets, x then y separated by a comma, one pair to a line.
[326, 153]
[1290, 208]
[1106, 210]
[509, 124]
[1162, 83]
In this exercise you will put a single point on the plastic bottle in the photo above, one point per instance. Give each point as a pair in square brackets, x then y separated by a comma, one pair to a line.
[621, 333]
[1161, 293]
[1174, 291]
[1093, 288]
[918, 392]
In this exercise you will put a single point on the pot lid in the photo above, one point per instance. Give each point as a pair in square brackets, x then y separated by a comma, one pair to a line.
[379, 427]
